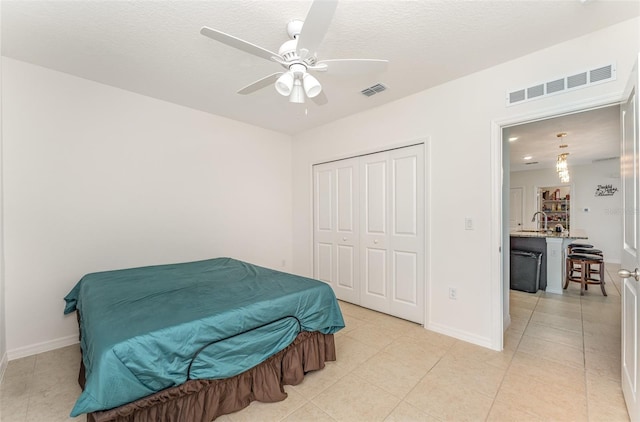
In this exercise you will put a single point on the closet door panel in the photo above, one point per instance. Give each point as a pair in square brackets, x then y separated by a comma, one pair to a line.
[406, 240]
[347, 232]
[324, 200]
[373, 239]
[405, 277]
[375, 278]
[336, 232]
[346, 271]
[404, 189]
[345, 179]
[324, 262]
[375, 173]
[323, 224]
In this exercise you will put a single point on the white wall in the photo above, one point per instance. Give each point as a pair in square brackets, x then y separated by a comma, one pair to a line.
[3, 339]
[98, 178]
[603, 221]
[457, 117]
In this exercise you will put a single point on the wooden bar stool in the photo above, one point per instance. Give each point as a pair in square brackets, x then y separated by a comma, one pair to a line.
[572, 246]
[587, 251]
[581, 248]
[584, 264]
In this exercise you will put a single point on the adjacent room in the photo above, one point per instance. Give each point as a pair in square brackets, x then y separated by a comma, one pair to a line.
[337, 176]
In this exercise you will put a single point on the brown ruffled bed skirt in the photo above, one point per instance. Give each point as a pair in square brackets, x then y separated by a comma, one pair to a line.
[205, 400]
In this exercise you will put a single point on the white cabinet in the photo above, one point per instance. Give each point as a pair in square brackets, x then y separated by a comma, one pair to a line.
[369, 230]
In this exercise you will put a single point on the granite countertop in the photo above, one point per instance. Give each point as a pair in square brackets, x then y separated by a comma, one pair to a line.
[572, 234]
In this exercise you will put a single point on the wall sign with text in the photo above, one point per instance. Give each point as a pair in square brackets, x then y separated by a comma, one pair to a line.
[606, 190]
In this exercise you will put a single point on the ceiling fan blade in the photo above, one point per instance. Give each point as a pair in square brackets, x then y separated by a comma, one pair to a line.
[235, 42]
[320, 99]
[261, 83]
[351, 66]
[315, 26]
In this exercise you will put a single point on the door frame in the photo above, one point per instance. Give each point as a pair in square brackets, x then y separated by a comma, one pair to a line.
[499, 224]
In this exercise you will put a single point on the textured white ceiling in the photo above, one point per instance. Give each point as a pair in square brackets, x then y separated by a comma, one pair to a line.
[591, 135]
[154, 47]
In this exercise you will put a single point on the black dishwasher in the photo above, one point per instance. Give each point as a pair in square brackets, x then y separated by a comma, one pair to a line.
[525, 270]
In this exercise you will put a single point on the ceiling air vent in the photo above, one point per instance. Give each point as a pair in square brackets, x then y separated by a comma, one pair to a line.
[531, 162]
[374, 89]
[558, 85]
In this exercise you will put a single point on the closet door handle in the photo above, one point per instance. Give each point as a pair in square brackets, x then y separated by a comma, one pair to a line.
[344, 239]
[375, 241]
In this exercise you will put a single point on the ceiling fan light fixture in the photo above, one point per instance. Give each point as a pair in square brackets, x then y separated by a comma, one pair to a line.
[311, 85]
[284, 84]
[297, 92]
[298, 55]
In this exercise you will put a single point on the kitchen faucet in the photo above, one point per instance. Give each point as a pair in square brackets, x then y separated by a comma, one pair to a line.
[546, 218]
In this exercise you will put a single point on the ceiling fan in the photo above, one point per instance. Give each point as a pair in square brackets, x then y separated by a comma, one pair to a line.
[298, 56]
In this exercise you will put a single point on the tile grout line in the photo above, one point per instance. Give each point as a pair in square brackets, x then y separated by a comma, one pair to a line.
[584, 360]
[493, 402]
[402, 399]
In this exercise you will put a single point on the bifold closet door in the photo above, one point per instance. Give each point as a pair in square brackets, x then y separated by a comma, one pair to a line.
[336, 231]
[392, 248]
[369, 230]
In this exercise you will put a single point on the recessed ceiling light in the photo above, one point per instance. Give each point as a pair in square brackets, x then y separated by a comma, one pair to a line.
[513, 138]
[563, 146]
[561, 135]
[527, 157]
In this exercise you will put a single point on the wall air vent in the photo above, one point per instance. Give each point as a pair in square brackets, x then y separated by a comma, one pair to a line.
[565, 84]
[574, 81]
[555, 86]
[535, 91]
[373, 90]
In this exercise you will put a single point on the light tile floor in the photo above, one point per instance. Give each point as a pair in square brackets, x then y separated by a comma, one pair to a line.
[561, 362]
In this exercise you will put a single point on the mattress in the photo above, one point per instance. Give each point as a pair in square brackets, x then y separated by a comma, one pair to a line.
[147, 329]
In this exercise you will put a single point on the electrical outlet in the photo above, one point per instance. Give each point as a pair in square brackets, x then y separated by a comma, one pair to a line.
[453, 293]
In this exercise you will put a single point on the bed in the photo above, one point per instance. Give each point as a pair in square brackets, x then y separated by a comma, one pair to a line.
[192, 341]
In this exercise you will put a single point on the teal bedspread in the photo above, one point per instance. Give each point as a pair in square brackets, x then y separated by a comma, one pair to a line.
[141, 327]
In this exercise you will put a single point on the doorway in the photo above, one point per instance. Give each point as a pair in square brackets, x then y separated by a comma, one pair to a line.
[501, 168]
[590, 138]
[555, 201]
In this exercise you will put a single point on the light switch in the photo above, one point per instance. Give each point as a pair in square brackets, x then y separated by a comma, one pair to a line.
[468, 223]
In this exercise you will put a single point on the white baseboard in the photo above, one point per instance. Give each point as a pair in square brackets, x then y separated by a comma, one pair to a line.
[45, 346]
[3, 366]
[460, 335]
[506, 322]
[554, 291]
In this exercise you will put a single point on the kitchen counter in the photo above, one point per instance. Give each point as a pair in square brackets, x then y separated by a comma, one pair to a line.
[573, 234]
[553, 247]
